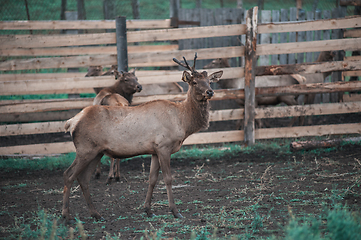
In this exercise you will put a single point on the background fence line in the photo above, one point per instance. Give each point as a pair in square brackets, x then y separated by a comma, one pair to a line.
[229, 35]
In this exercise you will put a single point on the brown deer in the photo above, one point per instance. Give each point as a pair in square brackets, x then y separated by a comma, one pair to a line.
[157, 127]
[270, 81]
[98, 71]
[119, 94]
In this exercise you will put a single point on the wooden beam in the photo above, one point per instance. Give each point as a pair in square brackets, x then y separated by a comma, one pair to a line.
[69, 51]
[309, 88]
[82, 24]
[75, 84]
[306, 68]
[31, 128]
[21, 106]
[347, 22]
[203, 138]
[353, 33]
[308, 110]
[136, 59]
[350, 3]
[308, 131]
[315, 46]
[249, 76]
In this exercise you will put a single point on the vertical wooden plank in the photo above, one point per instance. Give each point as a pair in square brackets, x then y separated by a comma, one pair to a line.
[339, 12]
[283, 39]
[301, 36]
[309, 36]
[265, 37]
[275, 18]
[249, 83]
[326, 36]
[72, 16]
[318, 16]
[292, 36]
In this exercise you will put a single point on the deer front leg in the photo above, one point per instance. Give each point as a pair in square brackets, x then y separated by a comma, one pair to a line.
[167, 176]
[153, 177]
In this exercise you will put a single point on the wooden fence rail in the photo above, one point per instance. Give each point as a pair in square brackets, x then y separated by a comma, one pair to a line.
[82, 50]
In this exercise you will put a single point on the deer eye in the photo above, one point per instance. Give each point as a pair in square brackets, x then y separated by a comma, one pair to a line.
[194, 82]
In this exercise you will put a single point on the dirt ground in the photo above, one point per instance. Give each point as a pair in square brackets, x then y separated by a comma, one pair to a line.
[253, 193]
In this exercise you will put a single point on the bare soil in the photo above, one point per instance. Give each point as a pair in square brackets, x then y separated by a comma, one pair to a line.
[232, 194]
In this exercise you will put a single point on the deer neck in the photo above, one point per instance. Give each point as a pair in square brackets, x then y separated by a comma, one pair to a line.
[116, 88]
[195, 114]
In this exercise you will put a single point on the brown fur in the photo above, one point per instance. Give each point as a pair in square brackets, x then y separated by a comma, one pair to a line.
[157, 128]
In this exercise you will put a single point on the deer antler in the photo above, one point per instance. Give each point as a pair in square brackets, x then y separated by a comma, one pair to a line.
[186, 65]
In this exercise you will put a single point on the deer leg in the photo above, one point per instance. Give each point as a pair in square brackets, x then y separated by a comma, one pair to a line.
[98, 170]
[117, 169]
[167, 176]
[153, 177]
[84, 179]
[79, 164]
[111, 172]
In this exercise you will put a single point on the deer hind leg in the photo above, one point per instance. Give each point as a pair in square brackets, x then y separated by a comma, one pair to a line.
[84, 179]
[153, 177]
[111, 172]
[98, 170]
[79, 164]
[117, 169]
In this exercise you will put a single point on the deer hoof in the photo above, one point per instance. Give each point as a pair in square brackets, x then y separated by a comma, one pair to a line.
[178, 215]
[149, 213]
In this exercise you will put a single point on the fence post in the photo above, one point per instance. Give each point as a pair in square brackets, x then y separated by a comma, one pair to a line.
[249, 76]
[121, 37]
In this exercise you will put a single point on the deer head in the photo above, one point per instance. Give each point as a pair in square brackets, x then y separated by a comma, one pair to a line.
[198, 83]
[127, 81]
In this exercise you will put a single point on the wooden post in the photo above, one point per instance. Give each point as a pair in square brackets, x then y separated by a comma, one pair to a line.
[249, 74]
[121, 36]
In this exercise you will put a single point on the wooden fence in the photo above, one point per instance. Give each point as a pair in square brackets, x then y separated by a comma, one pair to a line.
[82, 50]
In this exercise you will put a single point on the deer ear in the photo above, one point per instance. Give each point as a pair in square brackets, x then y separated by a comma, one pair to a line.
[116, 74]
[133, 71]
[214, 77]
[186, 77]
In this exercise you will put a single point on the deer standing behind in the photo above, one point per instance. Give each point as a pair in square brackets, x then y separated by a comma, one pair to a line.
[272, 81]
[119, 94]
[158, 128]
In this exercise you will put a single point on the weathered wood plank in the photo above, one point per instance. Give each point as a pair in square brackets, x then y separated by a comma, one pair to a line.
[310, 88]
[203, 138]
[319, 67]
[352, 33]
[81, 24]
[319, 130]
[16, 106]
[249, 75]
[31, 128]
[83, 50]
[347, 22]
[135, 59]
[65, 85]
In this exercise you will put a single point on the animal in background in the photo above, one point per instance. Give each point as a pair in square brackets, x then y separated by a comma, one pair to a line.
[119, 94]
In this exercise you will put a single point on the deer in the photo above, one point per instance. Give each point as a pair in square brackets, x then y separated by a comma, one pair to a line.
[269, 81]
[119, 94]
[158, 128]
[150, 89]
